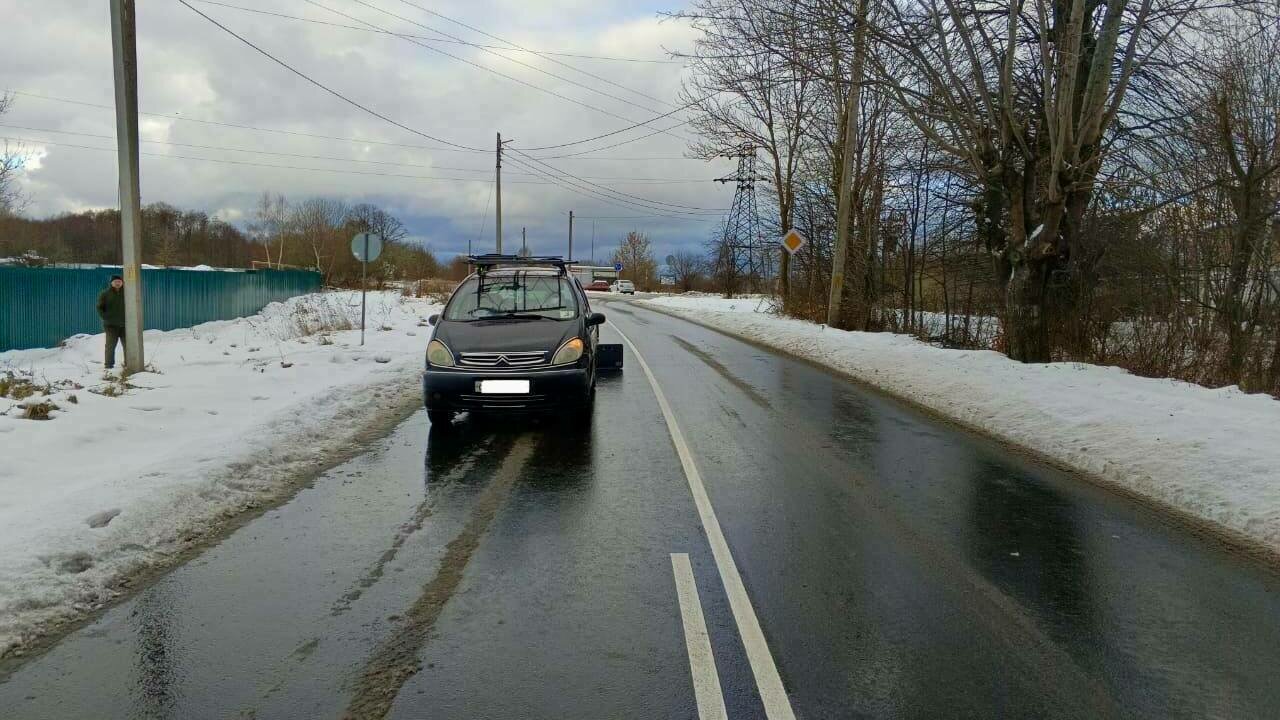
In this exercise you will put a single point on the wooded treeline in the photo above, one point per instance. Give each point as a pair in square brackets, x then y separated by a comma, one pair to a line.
[313, 234]
[1094, 180]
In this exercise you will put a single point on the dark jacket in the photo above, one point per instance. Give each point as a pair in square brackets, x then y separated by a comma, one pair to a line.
[111, 307]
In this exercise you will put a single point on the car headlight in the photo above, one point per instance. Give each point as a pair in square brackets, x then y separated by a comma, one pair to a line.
[438, 354]
[569, 352]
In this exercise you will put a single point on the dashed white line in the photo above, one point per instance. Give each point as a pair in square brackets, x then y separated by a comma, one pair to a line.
[772, 693]
[702, 663]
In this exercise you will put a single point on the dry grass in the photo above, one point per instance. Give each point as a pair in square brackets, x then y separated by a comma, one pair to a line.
[38, 410]
[19, 386]
[318, 314]
[436, 290]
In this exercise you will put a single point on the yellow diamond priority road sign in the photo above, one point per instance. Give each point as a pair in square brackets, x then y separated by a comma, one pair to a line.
[793, 241]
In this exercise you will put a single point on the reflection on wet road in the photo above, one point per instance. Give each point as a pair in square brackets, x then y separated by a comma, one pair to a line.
[898, 567]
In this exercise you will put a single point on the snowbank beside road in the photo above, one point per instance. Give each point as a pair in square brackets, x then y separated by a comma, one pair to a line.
[235, 411]
[1211, 453]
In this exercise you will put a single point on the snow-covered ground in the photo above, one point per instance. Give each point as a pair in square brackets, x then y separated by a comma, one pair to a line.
[234, 410]
[1210, 453]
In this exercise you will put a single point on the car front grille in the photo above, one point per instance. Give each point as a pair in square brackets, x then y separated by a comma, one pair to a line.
[501, 360]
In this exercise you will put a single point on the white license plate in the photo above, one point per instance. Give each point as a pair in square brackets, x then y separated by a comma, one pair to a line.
[503, 387]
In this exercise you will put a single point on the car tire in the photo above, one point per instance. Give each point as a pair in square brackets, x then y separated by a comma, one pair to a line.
[586, 409]
[440, 419]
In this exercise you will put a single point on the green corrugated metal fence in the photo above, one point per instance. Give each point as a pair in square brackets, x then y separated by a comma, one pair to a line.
[40, 307]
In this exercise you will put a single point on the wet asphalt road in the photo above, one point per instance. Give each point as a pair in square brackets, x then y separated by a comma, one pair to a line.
[899, 568]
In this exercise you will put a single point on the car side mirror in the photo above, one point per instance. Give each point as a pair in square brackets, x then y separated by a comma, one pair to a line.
[595, 319]
[432, 320]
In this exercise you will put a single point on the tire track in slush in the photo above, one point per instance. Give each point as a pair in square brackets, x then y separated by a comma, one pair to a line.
[407, 530]
[747, 388]
[397, 659]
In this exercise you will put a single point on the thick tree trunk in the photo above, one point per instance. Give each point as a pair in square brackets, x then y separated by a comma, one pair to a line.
[1234, 316]
[1026, 322]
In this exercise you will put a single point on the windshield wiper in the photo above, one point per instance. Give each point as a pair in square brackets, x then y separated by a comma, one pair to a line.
[520, 316]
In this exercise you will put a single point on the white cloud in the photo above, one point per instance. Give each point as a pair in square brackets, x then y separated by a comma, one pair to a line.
[191, 69]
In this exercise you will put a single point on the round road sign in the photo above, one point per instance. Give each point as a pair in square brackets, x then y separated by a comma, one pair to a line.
[366, 246]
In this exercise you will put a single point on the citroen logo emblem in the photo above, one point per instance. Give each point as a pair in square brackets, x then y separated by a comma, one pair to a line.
[502, 360]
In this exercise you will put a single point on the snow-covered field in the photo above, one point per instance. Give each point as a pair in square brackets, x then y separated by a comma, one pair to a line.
[233, 412]
[1210, 453]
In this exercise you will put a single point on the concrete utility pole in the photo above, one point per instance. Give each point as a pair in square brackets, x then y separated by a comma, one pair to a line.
[125, 54]
[852, 110]
[570, 256]
[498, 192]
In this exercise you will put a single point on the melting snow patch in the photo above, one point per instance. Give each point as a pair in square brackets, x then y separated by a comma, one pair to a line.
[170, 463]
[102, 519]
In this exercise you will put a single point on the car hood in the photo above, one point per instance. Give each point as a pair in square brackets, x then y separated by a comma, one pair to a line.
[506, 335]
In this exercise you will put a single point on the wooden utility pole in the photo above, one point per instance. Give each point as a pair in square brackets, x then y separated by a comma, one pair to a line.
[852, 111]
[497, 178]
[125, 56]
[570, 256]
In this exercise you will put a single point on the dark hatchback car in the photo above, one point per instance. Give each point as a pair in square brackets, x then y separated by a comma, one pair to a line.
[517, 335]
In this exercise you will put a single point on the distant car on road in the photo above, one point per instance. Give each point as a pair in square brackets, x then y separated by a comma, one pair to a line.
[517, 335]
[624, 286]
[597, 286]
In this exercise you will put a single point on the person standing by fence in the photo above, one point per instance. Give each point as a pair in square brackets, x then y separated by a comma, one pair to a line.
[111, 310]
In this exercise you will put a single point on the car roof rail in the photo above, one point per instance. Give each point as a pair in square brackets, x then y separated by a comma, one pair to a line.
[489, 261]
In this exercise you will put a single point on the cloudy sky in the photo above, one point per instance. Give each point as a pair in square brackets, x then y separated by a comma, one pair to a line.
[191, 70]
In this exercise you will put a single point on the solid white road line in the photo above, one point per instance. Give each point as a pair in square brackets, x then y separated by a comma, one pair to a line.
[706, 682]
[774, 696]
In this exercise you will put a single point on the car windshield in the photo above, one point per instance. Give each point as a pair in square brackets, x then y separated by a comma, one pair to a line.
[509, 294]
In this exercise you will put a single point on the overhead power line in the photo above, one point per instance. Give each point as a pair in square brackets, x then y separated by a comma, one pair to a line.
[303, 156]
[358, 140]
[535, 68]
[588, 193]
[555, 53]
[608, 195]
[521, 48]
[321, 85]
[596, 150]
[255, 128]
[618, 131]
[563, 174]
[224, 161]
[628, 217]
[487, 69]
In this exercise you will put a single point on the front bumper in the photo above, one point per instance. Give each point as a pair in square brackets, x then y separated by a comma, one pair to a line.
[455, 389]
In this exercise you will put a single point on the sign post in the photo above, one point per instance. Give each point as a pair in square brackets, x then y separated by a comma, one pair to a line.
[366, 247]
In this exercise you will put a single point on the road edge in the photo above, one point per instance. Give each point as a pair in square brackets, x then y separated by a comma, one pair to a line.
[44, 634]
[1232, 539]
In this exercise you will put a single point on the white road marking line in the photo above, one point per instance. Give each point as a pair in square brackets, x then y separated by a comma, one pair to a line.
[773, 695]
[702, 664]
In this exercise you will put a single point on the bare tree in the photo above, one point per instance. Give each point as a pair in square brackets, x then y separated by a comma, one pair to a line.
[1027, 95]
[1240, 124]
[745, 95]
[12, 160]
[638, 265]
[686, 267]
[371, 218]
[319, 224]
[270, 219]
